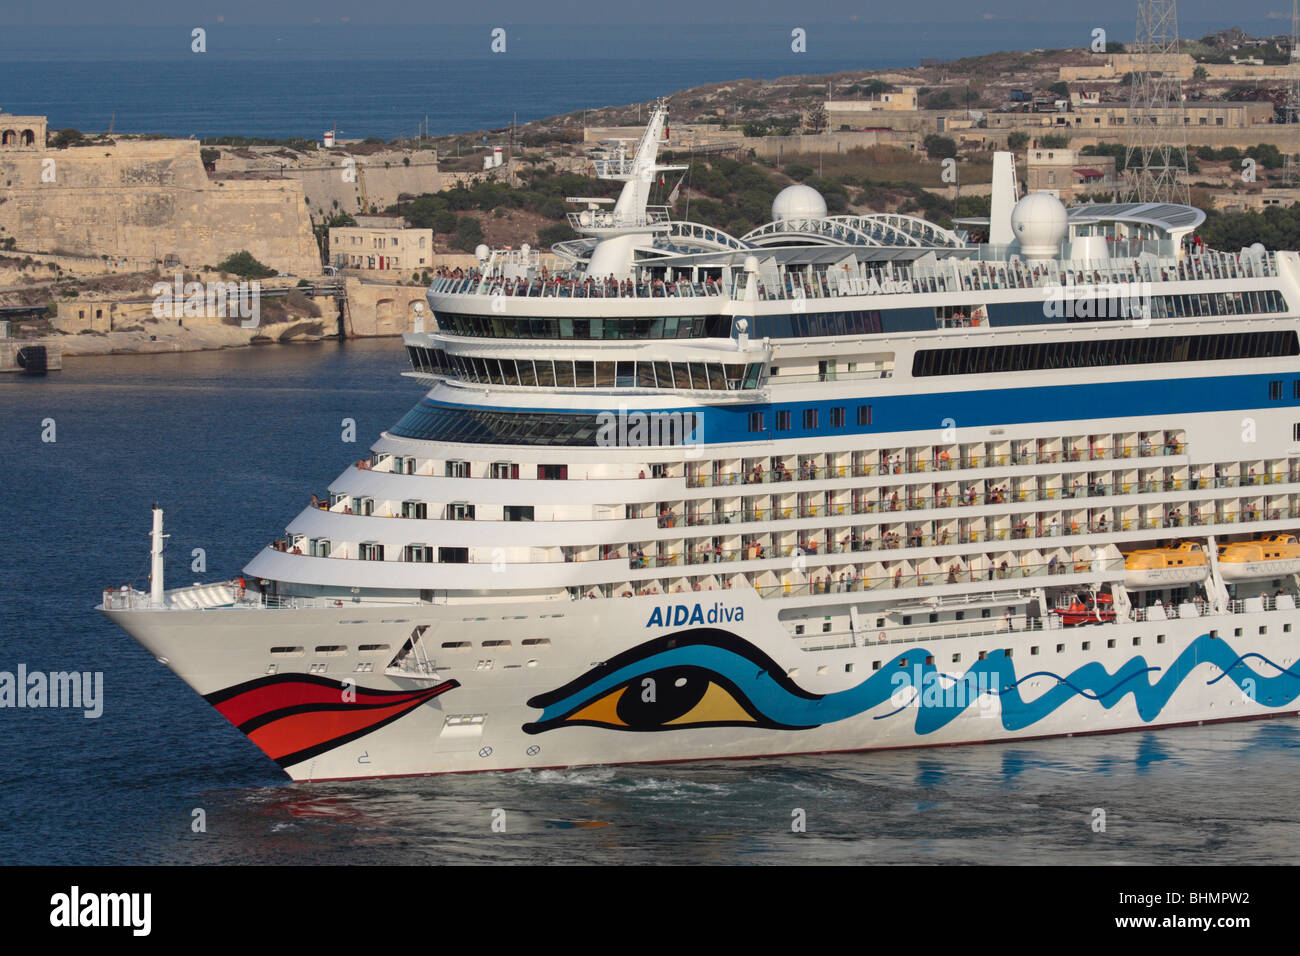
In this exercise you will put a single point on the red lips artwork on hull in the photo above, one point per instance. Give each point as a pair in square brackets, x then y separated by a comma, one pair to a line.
[294, 717]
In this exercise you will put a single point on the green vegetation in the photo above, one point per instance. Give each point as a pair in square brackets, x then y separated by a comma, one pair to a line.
[1055, 141]
[468, 234]
[1276, 227]
[1116, 151]
[243, 264]
[870, 88]
[295, 143]
[941, 100]
[1017, 140]
[548, 236]
[64, 138]
[939, 147]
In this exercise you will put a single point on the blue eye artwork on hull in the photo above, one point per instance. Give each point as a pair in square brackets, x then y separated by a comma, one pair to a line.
[709, 677]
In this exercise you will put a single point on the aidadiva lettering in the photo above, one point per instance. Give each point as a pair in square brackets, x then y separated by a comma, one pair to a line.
[78, 690]
[685, 615]
[75, 909]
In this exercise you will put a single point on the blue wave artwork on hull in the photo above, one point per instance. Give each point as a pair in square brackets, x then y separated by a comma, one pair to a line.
[708, 677]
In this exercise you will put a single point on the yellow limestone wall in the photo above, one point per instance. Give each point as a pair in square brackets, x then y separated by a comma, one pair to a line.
[147, 200]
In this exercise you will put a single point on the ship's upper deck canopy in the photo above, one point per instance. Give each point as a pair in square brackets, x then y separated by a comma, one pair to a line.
[1169, 217]
[635, 249]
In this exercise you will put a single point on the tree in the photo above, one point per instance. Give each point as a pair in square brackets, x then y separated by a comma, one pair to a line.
[875, 88]
[559, 232]
[754, 128]
[1061, 89]
[1017, 140]
[1200, 74]
[468, 234]
[939, 147]
[798, 171]
[1267, 155]
[67, 137]
[817, 118]
[243, 264]
[941, 100]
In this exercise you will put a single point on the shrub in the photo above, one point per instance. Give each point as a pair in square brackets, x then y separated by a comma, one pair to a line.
[243, 264]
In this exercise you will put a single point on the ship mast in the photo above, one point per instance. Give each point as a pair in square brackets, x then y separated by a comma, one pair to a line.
[632, 220]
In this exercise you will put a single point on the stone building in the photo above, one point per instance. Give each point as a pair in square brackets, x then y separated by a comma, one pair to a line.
[381, 246]
[1067, 174]
[21, 132]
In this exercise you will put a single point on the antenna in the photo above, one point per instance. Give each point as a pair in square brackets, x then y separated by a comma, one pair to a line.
[1156, 158]
[1291, 170]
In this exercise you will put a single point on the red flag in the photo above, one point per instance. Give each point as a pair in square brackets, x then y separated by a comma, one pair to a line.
[667, 132]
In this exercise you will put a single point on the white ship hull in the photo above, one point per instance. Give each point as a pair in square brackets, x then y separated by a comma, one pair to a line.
[861, 443]
[507, 714]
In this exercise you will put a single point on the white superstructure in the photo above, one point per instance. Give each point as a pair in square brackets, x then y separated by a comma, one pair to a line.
[844, 482]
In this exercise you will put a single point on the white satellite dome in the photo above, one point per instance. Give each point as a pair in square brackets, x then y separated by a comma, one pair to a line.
[1040, 224]
[798, 202]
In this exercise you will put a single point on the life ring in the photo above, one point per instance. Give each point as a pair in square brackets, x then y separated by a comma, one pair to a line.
[880, 636]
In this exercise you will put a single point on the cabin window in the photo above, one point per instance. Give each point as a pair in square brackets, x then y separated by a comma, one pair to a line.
[837, 418]
[553, 472]
[756, 421]
[810, 418]
[956, 658]
[864, 414]
[783, 421]
[1111, 643]
[1274, 390]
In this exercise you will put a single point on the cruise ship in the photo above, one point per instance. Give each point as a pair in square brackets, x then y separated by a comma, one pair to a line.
[845, 482]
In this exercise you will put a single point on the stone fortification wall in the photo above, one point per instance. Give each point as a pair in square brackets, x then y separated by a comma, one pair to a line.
[151, 201]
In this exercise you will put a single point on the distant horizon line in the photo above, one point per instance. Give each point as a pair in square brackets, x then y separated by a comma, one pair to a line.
[498, 21]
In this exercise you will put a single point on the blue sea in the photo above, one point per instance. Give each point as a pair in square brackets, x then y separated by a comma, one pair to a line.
[369, 80]
[231, 444]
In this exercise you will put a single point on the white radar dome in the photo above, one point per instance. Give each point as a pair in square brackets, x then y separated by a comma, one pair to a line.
[1040, 224]
[798, 202]
[481, 252]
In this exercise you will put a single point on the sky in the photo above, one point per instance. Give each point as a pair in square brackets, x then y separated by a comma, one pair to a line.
[674, 13]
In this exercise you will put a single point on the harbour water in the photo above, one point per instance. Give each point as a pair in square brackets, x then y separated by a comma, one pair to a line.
[232, 444]
[283, 81]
